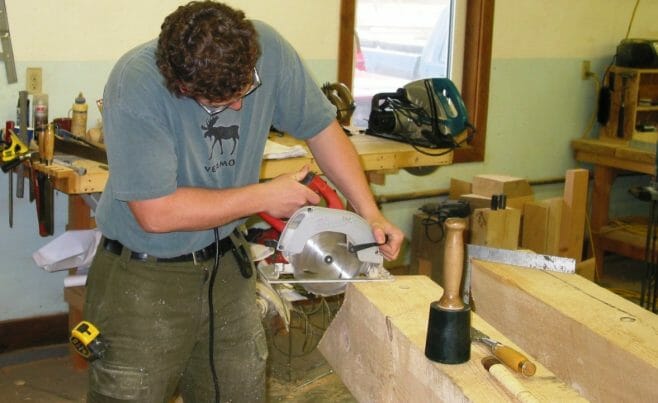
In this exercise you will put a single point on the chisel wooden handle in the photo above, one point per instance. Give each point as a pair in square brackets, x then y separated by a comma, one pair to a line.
[514, 359]
[49, 143]
[508, 381]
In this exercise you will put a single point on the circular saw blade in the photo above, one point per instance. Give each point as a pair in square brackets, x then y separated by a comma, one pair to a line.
[325, 257]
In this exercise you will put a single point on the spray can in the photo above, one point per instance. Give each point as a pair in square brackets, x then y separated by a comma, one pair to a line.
[40, 115]
[79, 117]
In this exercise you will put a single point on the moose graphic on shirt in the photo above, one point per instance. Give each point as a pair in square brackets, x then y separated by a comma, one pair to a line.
[219, 133]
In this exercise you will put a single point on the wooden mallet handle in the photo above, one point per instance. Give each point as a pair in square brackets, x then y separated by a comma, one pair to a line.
[453, 264]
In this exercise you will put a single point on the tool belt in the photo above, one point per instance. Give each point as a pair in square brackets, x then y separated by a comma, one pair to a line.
[201, 255]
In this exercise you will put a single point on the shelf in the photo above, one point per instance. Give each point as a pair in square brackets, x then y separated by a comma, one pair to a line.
[627, 237]
[631, 103]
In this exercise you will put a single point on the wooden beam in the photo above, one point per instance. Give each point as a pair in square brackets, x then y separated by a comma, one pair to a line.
[572, 229]
[599, 343]
[376, 345]
[496, 228]
[541, 225]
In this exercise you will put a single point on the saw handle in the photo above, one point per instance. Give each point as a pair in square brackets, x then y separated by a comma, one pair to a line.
[319, 186]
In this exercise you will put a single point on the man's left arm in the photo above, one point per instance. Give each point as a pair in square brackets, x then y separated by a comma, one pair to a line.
[339, 161]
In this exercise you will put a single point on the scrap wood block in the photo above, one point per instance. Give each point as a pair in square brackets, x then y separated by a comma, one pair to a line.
[376, 344]
[476, 201]
[496, 228]
[596, 341]
[489, 185]
[458, 188]
[541, 226]
[572, 230]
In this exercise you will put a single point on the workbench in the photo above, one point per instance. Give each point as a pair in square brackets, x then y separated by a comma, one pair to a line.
[609, 158]
[377, 155]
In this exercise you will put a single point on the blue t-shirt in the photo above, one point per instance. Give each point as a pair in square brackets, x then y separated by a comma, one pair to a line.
[157, 142]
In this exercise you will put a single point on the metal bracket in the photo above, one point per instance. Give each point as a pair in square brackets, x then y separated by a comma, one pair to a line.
[91, 199]
[7, 54]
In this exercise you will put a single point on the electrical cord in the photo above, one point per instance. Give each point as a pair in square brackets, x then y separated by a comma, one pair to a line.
[420, 117]
[312, 333]
[211, 316]
[431, 221]
[630, 23]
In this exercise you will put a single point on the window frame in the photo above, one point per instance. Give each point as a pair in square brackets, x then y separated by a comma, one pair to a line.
[476, 72]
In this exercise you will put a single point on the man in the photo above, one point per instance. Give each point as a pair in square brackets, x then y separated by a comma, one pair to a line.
[186, 118]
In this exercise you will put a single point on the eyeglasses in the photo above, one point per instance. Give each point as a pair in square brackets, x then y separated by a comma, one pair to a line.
[214, 110]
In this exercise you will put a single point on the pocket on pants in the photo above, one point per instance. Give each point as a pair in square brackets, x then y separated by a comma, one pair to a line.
[260, 342]
[117, 381]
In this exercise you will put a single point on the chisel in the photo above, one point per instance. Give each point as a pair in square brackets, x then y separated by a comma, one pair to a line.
[9, 127]
[11, 198]
[46, 186]
[23, 135]
[507, 355]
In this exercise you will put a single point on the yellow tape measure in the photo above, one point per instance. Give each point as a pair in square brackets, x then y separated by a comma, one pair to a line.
[87, 340]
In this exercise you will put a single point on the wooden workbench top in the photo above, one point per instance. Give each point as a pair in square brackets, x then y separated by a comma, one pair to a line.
[616, 154]
[376, 154]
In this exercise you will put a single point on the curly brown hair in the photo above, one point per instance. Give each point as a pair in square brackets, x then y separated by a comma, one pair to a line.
[207, 49]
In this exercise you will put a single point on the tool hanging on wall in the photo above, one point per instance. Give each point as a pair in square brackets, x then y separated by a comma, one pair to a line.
[23, 134]
[9, 127]
[43, 184]
[7, 54]
[339, 95]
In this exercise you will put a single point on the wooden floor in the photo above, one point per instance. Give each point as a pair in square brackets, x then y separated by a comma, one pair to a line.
[45, 375]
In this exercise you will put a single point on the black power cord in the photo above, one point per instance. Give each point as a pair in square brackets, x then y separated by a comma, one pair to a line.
[438, 213]
[419, 116]
[211, 319]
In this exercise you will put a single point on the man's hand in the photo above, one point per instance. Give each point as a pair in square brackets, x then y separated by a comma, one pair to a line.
[384, 231]
[289, 195]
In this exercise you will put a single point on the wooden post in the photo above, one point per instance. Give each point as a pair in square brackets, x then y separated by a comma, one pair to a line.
[572, 229]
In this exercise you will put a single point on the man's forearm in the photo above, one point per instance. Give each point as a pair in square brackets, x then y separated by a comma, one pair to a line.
[340, 162]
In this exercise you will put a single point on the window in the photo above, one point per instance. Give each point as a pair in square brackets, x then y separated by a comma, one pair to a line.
[397, 43]
[380, 54]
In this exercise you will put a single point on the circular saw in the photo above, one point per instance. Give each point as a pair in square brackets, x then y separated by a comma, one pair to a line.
[329, 247]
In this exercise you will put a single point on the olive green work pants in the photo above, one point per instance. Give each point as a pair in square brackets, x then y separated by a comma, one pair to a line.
[153, 317]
